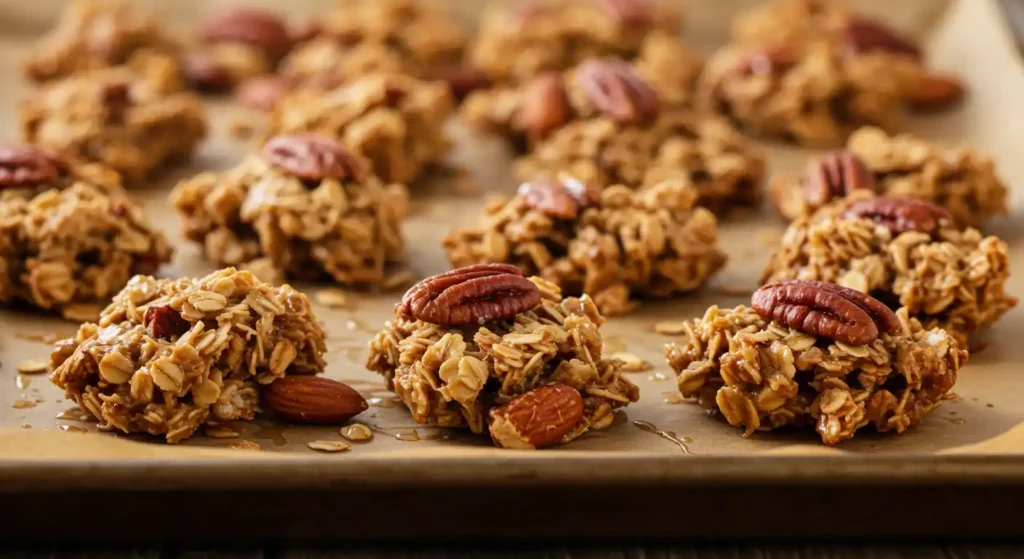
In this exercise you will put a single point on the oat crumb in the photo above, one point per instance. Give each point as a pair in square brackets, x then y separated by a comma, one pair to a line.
[222, 433]
[632, 363]
[670, 327]
[244, 445]
[33, 367]
[332, 297]
[328, 446]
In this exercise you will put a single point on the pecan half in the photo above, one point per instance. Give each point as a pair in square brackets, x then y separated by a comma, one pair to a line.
[631, 13]
[164, 322]
[934, 92]
[471, 295]
[863, 35]
[900, 214]
[313, 157]
[613, 87]
[28, 165]
[835, 175]
[825, 310]
[545, 105]
[260, 29]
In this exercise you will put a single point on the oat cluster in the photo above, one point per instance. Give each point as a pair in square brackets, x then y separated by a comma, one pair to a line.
[952, 279]
[763, 376]
[518, 40]
[168, 356]
[70, 243]
[264, 218]
[452, 376]
[630, 244]
[395, 121]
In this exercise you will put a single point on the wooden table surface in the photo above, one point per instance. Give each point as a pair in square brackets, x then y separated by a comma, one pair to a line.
[893, 551]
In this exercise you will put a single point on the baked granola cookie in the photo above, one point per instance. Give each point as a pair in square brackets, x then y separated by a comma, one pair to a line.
[799, 22]
[133, 118]
[235, 45]
[69, 236]
[395, 121]
[488, 349]
[519, 40]
[94, 34]
[528, 112]
[607, 125]
[961, 181]
[615, 246]
[905, 252]
[170, 355]
[357, 37]
[306, 207]
[813, 353]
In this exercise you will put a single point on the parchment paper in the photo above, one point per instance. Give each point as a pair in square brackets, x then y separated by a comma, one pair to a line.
[971, 40]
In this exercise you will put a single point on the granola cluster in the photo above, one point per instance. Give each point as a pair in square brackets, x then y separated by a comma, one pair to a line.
[94, 34]
[395, 121]
[168, 356]
[414, 37]
[519, 40]
[69, 236]
[814, 94]
[666, 63]
[464, 375]
[960, 180]
[763, 375]
[304, 208]
[950, 278]
[616, 246]
[134, 118]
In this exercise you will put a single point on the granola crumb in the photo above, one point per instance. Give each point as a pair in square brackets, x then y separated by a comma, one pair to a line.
[81, 312]
[632, 363]
[657, 377]
[396, 280]
[33, 367]
[243, 445]
[332, 297]
[23, 404]
[357, 432]
[328, 446]
[222, 433]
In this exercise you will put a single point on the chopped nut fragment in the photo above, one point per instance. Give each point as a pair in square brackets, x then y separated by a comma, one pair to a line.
[328, 446]
[356, 432]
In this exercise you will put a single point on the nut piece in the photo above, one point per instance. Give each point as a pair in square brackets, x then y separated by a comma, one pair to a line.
[631, 13]
[613, 87]
[471, 295]
[545, 105]
[538, 418]
[900, 214]
[550, 198]
[313, 157]
[27, 165]
[836, 174]
[164, 322]
[865, 35]
[462, 80]
[772, 59]
[307, 399]
[204, 73]
[825, 310]
[263, 30]
[263, 92]
[934, 92]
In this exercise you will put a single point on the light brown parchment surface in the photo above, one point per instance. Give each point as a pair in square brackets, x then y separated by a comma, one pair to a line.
[970, 40]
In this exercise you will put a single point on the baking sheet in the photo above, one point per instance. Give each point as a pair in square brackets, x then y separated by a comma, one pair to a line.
[984, 418]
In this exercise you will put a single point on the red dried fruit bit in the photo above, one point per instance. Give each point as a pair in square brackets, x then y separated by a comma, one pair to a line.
[545, 105]
[164, 322]
[314, 157]
[835, 175]
[900, 214]
[865, 35]
[263, 30]
[28, 165]
[825, 310]
[613, 87]
[263, 92]
[471, 295]
[632, 13]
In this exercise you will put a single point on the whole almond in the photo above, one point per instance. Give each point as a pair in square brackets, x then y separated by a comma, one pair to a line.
[934, 92]
[307, 399]
[538, 418]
